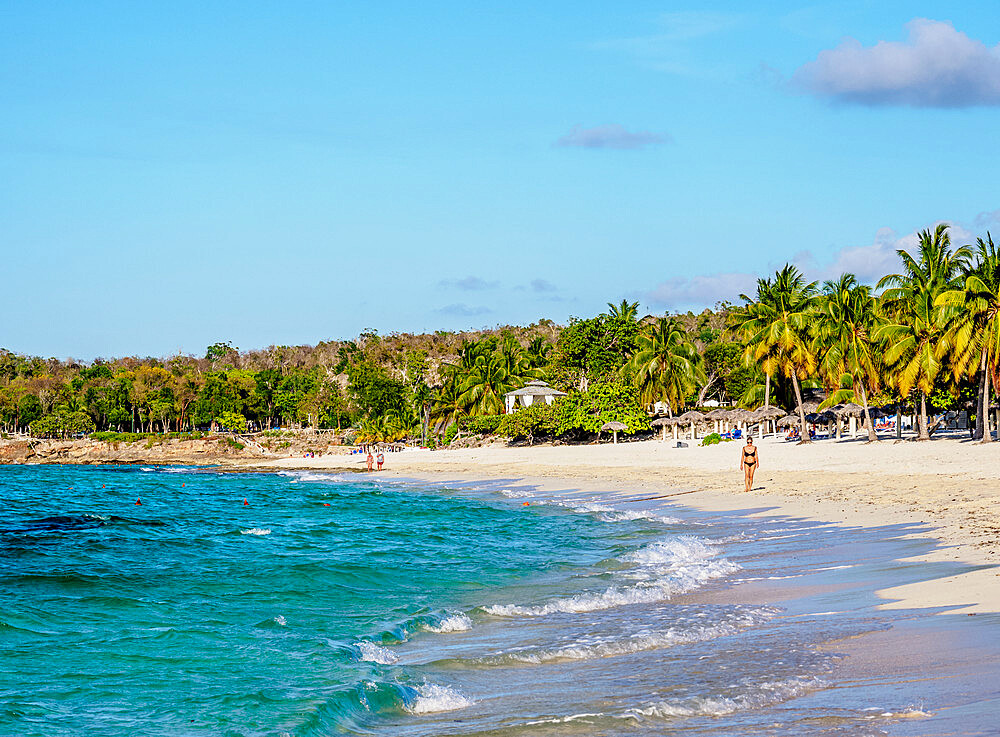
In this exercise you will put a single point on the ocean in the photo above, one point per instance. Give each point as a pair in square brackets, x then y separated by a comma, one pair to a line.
[304, 604]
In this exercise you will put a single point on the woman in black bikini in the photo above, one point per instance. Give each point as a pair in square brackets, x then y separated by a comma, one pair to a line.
[748, 463]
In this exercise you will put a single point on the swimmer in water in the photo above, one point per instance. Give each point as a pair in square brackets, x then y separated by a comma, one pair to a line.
[748, 462]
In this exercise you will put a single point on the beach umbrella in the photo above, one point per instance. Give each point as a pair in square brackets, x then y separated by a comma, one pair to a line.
[770, 413]
[614, 426]
[717, 415]
[663, 422]
[807, 407]
[788, 421]
[691, 417]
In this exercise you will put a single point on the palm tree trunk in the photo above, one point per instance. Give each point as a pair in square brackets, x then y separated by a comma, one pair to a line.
[872, 435]
[984, 398]
[767, 390]
[922, 433]
[804, 431]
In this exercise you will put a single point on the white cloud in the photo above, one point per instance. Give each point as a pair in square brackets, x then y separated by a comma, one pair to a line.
[469, 283]
[681, 293]
[868, 263]
[937, 66]
[460, 309]
[610, 136]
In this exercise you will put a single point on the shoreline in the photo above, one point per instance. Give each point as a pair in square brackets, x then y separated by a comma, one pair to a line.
[957, 508]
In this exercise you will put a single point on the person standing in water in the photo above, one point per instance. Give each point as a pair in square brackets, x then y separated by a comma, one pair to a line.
[370, 460]
[748, 462]
[380, 459]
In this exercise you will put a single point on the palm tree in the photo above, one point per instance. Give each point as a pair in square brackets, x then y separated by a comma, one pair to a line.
[914, 331]
[667, 366]
[485, 384]
[775, 329]
[846, 320]
[538, 351]
[449, 406]
[972, 313]
[627, 311]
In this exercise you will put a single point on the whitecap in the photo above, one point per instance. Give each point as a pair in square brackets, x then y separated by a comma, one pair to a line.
[376, 653]
[516, 493]
[280, 621]
[452, 623]
[603, 647]
[432, 698]
[630, 515]
[662, 570]
[759, 696]
[256, 531]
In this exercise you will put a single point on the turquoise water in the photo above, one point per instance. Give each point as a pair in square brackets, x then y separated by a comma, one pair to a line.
[349, 605]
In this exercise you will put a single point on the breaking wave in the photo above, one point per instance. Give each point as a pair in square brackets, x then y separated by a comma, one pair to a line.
[661, 570]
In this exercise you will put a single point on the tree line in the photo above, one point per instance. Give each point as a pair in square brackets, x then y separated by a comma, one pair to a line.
[928, 336]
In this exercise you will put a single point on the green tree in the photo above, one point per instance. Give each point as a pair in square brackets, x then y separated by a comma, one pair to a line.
[972, 314]
[775, 329]
[844, 328]
[914, 330]
[666, 364]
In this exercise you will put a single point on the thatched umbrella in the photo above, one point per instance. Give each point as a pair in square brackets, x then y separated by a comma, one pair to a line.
[850, 410]
[788, 421]
[614, 426]
[691, 416]
[717, 415]
[740, 417]
[769, 413]
[664, 422]
[807, 407]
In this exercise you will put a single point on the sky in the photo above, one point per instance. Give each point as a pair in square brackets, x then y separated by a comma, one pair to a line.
[177, 174]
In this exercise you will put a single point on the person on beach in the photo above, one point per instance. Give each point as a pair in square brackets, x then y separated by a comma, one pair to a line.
[748, 462]
[380, 460]
[370, 460]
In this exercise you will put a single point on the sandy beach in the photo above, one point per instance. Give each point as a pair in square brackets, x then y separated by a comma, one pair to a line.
[948, 488]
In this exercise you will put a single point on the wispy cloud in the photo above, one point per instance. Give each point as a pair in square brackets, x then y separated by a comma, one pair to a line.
[664, 48]
[868, 262]
[542, 285]
[468, 283]
[460, 309]
[681, 293]
[610, 136]
[937, 66]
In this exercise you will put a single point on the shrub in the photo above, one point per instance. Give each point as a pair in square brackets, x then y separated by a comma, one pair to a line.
[232, 421]
[529, 422]
[484, 424]
[612, 401]
[450, 432]
[712, 439]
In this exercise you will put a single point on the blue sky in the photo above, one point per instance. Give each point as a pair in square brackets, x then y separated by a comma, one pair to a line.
[289, 173]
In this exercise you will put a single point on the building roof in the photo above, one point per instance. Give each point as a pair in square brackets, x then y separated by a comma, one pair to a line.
[535, 389]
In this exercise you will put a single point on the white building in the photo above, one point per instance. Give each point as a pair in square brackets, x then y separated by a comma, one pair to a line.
[530, 393]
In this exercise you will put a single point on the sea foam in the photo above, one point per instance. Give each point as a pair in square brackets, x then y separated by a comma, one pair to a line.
[756, 697]
[432, 698]
[260, 531]
[452, 623]
[661, 570]
[376, 653]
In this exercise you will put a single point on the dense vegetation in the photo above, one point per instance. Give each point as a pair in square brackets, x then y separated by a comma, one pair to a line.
[929, 335]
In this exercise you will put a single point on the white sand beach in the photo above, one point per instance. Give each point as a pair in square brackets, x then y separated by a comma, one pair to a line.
[949, 485]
